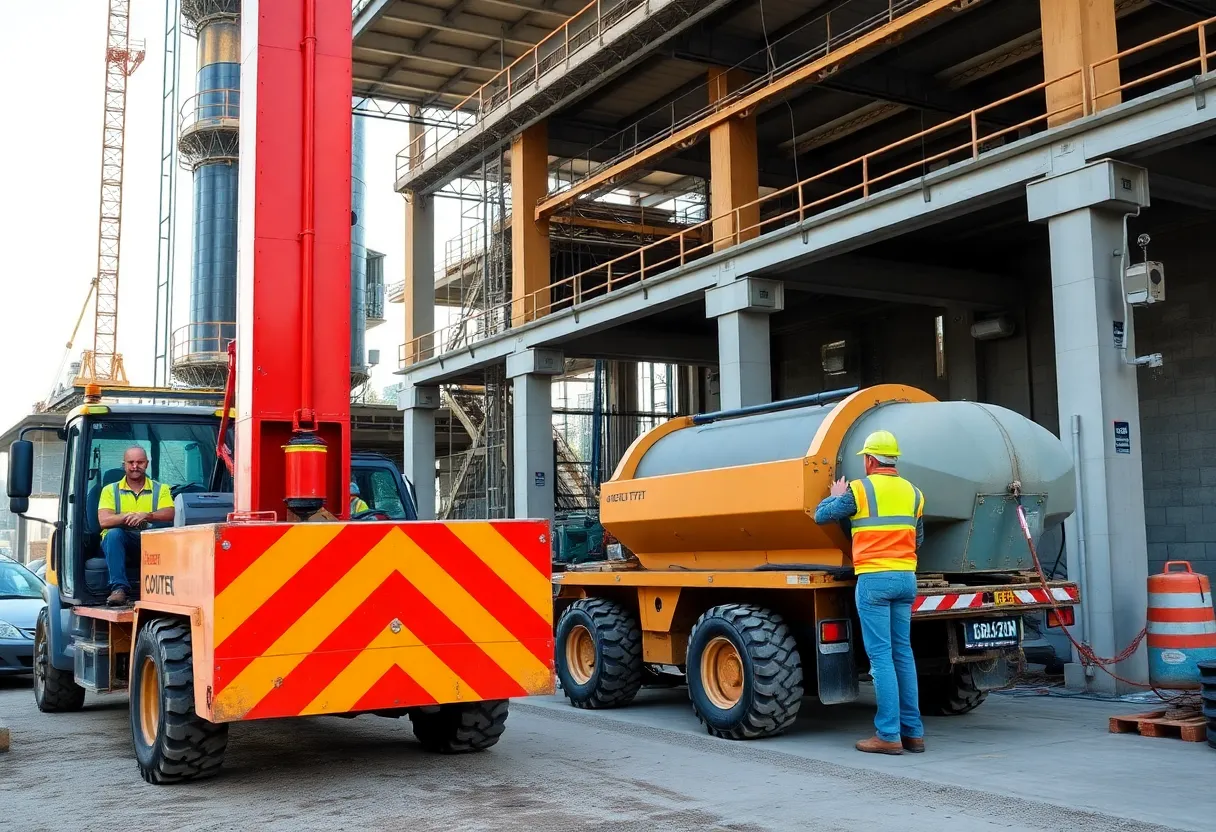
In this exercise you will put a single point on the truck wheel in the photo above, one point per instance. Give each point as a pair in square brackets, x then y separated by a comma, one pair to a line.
[599, 654]
[744, 672]
[457, 729]
[55, 690]
[172, 743]
[950, 694]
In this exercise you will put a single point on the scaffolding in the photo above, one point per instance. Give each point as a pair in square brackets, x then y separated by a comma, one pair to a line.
[166, 245]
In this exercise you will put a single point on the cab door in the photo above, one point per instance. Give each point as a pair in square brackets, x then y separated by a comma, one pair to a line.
[65, 552]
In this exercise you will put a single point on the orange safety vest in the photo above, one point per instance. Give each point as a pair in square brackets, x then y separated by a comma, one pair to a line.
[884, 525]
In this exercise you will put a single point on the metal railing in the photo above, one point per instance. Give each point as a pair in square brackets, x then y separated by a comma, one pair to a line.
[583, 28]
[374, 298]
[644, 134]
[202, 343]
[793, 204]
[210, 110]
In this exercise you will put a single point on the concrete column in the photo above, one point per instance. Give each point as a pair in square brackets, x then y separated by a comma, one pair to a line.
[1084, 211]
[419, 296]
[531, 373]
[529, 236]
[419, 405]
[734, 163]
[742, 308]
[962, 376]
[1077, 34]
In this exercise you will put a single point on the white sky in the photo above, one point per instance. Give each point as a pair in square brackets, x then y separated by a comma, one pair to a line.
[53, 62]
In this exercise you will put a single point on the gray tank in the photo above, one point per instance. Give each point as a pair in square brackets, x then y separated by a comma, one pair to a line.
[964, 456]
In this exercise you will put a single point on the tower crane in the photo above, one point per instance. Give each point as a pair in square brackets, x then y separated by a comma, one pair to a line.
[103, 363]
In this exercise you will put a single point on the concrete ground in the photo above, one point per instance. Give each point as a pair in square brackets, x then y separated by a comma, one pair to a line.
[1017, 763]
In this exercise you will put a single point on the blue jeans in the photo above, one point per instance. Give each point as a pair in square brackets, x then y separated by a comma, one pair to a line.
[114, 548]
[884, 604]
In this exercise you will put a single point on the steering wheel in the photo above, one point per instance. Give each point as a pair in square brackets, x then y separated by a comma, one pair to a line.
[369, 514]
[186, 488]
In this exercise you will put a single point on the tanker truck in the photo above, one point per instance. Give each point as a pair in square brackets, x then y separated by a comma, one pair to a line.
[724, 576]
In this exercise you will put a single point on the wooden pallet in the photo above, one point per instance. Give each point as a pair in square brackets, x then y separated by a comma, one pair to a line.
[1154, 724]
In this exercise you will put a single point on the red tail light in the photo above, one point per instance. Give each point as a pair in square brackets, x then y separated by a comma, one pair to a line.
[833, 632]
[1064, 617]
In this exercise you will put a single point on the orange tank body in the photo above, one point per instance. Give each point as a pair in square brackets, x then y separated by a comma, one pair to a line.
[743, 516]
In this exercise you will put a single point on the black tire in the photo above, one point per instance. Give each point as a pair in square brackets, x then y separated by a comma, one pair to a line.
[771, 672]
[177, 744]
[55, 690]
[616, 672]
[459, 729]
[950, 694]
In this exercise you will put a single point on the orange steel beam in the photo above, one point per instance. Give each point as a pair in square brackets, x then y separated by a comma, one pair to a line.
[734, 166]
[1076, 35]
[529, 238]
[746, 103]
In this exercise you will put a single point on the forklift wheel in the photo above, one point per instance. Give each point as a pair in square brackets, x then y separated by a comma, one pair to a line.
[55, 690]
[950, 694]
[457, 729]
[172, 743]
[744, 672]
[599, 654]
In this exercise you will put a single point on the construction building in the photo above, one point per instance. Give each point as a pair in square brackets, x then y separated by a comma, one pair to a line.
[970, 196]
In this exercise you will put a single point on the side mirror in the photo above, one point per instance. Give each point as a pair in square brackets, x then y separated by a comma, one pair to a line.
[20, 475]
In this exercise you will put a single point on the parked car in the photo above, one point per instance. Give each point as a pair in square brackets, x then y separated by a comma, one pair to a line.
[21, 599]
[38, 567]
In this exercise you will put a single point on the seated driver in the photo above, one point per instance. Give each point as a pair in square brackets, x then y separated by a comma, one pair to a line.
[356, 502]
[124, 509]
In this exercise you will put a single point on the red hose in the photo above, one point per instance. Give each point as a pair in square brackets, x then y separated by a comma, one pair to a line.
[1087, 654]
[305, 416]
[221, 447]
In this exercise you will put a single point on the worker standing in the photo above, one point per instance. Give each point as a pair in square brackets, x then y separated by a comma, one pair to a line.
[883, 512]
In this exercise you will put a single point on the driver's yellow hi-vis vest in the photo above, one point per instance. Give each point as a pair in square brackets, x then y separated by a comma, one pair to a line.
[884, 525]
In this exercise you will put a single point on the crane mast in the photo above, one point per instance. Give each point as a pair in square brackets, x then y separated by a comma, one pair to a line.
[123, 56]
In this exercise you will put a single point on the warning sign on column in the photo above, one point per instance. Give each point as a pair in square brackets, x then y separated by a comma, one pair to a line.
[1123, 438]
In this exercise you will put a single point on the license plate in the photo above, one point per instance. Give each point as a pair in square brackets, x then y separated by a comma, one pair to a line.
[1004, 597]
[990, 633]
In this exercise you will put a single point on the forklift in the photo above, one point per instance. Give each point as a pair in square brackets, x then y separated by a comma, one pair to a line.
[266, 598]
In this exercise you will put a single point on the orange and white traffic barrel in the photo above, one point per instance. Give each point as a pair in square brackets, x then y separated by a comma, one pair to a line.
[1181, 626]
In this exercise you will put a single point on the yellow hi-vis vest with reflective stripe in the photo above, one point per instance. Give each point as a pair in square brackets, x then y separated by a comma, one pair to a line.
[884, 525]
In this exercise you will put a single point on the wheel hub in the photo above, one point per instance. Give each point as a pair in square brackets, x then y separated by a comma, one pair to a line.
[722, 673]
[580, 654]
[149, 701]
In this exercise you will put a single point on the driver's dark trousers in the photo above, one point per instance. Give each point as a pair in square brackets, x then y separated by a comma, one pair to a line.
[115, 546]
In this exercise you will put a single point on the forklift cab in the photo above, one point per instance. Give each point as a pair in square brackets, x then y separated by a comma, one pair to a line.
[180, 444]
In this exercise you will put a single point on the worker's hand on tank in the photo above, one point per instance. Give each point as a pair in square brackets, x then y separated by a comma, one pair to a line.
[839, 487]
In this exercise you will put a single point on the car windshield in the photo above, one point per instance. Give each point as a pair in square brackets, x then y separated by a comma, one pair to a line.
[18, 582]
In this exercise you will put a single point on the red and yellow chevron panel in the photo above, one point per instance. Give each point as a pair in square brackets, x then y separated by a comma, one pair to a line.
[323, 618]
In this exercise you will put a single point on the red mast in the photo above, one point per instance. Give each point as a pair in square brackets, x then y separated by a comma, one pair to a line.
[293, 306]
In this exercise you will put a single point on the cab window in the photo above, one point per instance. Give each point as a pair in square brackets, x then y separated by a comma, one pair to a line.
[181, 454]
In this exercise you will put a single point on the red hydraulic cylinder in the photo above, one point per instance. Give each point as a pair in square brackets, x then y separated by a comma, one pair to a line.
[293, 304]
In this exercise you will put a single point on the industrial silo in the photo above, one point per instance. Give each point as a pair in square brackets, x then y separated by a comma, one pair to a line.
[358, 256]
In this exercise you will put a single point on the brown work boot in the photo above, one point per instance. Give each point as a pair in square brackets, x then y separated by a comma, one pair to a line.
[914, 745]
[118, 598]
[875, 745]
